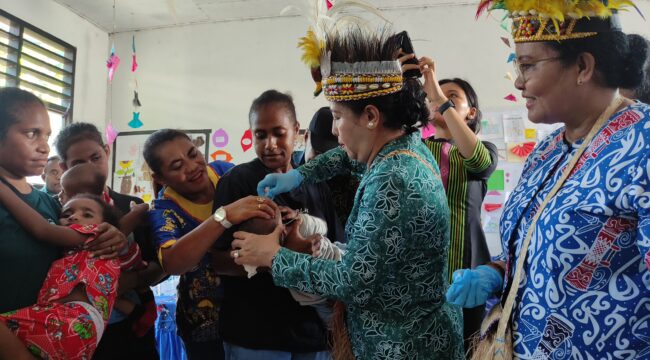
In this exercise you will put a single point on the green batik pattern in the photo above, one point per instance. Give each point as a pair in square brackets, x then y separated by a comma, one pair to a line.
[393, 276]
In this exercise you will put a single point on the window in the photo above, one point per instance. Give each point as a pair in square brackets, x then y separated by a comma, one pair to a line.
[38, 62]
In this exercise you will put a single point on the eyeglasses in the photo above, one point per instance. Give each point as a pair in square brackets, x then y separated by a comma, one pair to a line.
[523, 69]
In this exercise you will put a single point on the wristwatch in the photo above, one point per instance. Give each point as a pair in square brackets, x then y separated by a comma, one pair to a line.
[445, 106]
[220, 217]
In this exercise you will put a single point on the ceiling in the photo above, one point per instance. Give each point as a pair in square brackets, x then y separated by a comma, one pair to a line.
[131, 15]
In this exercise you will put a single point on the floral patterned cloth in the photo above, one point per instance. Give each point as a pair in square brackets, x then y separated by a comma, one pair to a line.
[393, 276]
[585, 293]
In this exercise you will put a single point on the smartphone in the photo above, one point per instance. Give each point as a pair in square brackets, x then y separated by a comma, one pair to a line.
[407, 47]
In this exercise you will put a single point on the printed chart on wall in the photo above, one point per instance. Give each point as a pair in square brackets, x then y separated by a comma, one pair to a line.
[515, 138]
[131, 175]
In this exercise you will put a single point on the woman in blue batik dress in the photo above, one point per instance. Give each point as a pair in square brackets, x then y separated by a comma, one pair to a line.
[585, 286]
[393, 275]
[184, 232]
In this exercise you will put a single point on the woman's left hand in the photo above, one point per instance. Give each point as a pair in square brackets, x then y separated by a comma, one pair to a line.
[256, 250]
[108, 244]
[251, 207]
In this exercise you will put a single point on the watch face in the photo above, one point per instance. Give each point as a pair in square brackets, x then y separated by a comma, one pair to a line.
[220, 215]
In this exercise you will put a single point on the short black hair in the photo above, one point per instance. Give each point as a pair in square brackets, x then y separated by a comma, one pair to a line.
[110, 214]
[74, 133]
[272, 97]
[619, 57]
[472, 101]
[154, 141]
[12, 100]
[93, 184]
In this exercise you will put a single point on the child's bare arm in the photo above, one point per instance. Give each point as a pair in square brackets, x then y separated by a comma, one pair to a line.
[11, 348]
[35, 224]
[131, 220]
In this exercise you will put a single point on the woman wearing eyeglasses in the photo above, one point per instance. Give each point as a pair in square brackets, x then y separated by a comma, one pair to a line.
[576, 229]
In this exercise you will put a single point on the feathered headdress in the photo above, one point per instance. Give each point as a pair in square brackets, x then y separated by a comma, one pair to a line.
[348, 59]
[558, 20]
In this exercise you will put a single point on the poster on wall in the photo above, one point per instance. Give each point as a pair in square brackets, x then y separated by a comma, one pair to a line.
[131, 175]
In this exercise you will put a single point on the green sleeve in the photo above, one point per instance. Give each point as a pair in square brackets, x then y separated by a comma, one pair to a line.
[380, 239]
[327, 165]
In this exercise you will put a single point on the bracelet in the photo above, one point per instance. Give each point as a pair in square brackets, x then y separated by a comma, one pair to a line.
[445, 106]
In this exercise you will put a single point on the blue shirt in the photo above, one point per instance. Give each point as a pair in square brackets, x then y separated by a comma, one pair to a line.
[585, 293]
[199, 291]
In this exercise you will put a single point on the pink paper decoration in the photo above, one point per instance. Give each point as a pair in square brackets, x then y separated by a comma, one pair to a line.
[112, 63]
[511, 97]
[111, 133]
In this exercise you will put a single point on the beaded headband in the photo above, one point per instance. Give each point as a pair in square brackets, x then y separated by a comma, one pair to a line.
[558, 20]
[345, 81]
[361, 80]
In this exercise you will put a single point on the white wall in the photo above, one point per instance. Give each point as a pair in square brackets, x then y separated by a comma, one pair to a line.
[205, 76]
[92, 47]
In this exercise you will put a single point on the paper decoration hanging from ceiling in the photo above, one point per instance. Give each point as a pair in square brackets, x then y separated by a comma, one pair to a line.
[112, 63]
[136, 99]
[135, 121]
[247, 140]
[511, 97]
[111, 133]
[134, 60]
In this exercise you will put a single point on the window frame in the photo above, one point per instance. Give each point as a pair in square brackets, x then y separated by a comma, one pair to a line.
[66, 112]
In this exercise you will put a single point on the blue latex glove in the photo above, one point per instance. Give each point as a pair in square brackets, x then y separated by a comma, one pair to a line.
[471, 288]
[277, 184]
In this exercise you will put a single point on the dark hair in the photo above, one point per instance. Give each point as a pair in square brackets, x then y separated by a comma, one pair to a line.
[12, 101]
[619, 57]
[83, 184]
[406, 109]
[472, 101]
[273, 97]
[110, 214]
[154, 141]
[74, 133]
[642, 92]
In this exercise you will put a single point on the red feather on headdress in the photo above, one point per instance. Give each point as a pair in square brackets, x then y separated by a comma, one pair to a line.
[482, 7]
